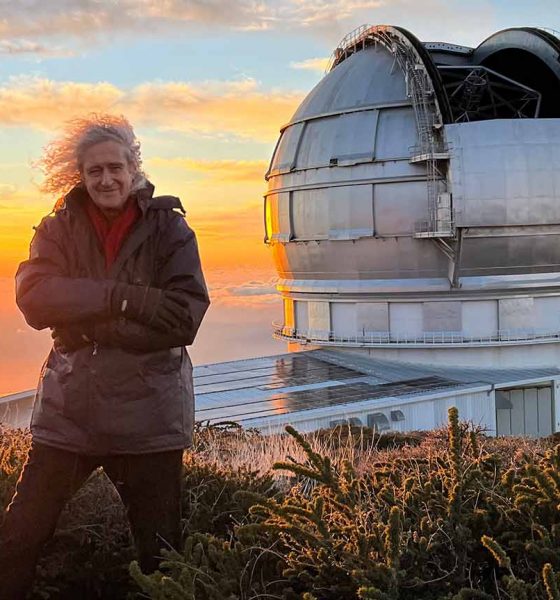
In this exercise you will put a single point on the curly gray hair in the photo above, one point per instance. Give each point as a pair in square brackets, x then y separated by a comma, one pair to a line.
[62, 159]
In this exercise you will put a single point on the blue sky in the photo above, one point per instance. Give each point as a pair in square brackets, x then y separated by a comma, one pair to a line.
[116, 40]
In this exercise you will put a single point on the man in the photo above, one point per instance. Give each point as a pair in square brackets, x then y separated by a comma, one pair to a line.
[115, 273]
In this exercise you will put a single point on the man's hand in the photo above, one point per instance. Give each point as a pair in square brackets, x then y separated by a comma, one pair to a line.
[69, 339]
[161, 309]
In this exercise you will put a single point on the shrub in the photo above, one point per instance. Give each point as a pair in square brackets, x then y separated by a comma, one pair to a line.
[14, 445]
[344, 514]
[419, 523]
[91, 549]
[89, 553]
[211, 503]
[364, 438]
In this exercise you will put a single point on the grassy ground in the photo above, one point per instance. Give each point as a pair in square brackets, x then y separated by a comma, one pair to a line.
[339, 514]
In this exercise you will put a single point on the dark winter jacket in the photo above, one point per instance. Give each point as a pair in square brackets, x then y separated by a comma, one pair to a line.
[131, 391]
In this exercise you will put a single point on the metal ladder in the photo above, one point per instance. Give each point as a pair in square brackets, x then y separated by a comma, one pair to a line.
[430, 150]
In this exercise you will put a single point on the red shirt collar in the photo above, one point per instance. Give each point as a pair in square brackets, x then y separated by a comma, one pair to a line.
[112, 235]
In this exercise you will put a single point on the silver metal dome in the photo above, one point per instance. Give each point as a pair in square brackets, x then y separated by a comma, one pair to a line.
[414, 201]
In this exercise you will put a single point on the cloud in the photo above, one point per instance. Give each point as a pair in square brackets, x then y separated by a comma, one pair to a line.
[92, 19]
[219, 170]
[229, 224]
[253, 292]
[44, 104]
[253, 288]
[21, 47]
[7, 190]
[236, 331]
[240, 108]
[95, 22]
[311, 64]
[309, 13]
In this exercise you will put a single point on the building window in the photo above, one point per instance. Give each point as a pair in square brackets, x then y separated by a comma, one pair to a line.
[397, 415]
[378, 422]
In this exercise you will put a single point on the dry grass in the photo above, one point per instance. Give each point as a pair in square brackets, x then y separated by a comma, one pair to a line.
[89, 556]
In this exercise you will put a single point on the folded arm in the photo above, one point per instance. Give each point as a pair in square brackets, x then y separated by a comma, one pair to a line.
[178, 271]
[179, 274]
[45, 293]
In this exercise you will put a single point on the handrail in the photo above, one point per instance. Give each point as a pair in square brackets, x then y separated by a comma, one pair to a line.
[420, 90]
[349, 40]
[376, 338]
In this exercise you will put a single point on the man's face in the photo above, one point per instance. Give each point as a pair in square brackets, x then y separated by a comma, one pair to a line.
[107, 175]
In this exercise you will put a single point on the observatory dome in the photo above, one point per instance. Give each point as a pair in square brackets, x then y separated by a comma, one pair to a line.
[413, 203]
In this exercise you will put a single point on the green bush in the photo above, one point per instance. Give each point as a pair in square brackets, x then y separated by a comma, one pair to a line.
[211, 568]
[418, 523]
[14, 445]
[210, 500]
[90, 551]
[362, 438]
[447, 515]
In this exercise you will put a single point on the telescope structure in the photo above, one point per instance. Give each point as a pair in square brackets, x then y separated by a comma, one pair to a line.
[413, 203]
[413, 212]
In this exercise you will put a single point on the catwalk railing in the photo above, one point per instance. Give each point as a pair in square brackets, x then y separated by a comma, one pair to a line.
[386, 338]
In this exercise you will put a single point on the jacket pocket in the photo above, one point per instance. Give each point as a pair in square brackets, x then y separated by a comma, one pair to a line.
[163, 362]
[49, 401]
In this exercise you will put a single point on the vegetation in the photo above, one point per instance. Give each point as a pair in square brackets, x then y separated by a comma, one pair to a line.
[340, 514]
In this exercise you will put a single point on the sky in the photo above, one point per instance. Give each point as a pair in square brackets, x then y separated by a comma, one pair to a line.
[207, 84]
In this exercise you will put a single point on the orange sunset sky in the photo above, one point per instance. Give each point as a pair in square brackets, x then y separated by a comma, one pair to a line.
[207, 85]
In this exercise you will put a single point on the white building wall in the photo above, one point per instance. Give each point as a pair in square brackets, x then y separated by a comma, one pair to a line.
[517, 411]
[442, 316]
[516, 314]
[469, 322]
[343, 318]
[530, 414]
[406, 319]
[289, 314]
[17, 413]
[547, 313]
[301, 315]
[478, 408]
[277, 212]
[396, 134]
[420, 414]
[350, 212]
[507, 357]
[479, 317]
[525, 411]
[310, 215]
[398, 207]
[545, 421]
[505, 172]
[372, 316]
[319, 319]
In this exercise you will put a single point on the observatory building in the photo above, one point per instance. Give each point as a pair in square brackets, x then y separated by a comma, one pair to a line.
[413, 211]
[413, 204]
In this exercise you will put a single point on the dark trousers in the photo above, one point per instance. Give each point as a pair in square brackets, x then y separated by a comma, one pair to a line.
[149, 486]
